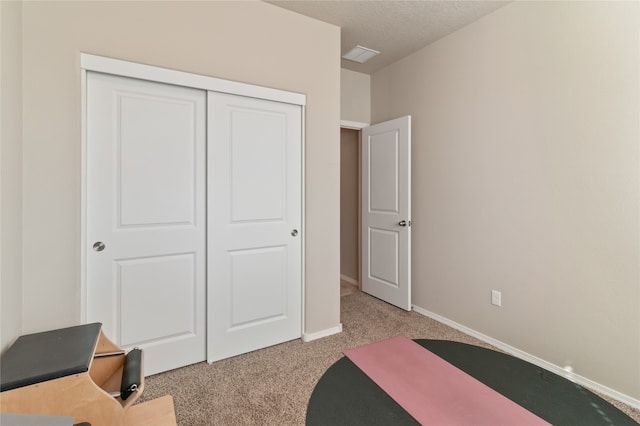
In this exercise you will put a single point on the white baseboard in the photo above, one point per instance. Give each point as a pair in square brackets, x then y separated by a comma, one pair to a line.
[576, 378]
[350, 280]
[307, 337]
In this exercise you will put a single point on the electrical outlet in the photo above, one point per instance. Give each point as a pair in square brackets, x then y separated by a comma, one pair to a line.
[496, 298]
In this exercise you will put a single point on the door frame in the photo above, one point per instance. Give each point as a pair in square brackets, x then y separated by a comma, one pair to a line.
[89, 62]
[354, 125]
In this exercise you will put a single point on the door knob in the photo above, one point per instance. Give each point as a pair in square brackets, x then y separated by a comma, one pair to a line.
[294, 232]
[98, 246]
[402, 223]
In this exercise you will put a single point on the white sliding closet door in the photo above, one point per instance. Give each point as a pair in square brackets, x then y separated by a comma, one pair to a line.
[145, 187]
[254, 224]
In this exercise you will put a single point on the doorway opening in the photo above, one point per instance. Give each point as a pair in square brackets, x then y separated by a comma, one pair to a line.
[349, 211]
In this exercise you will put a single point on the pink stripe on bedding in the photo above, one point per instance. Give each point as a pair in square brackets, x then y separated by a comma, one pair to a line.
[433, 391]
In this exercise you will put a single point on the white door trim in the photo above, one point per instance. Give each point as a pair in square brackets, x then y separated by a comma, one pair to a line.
[353, 125]
[83, 197]
[303, 221]
[180, 78]
[95, 63]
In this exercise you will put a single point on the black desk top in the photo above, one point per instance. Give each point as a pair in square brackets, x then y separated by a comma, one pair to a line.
[49, 355]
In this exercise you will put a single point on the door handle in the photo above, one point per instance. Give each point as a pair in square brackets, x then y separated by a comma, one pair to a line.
[404, 223]
[294, 232]
[98, 246]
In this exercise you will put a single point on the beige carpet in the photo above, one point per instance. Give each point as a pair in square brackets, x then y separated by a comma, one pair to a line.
[272, 386]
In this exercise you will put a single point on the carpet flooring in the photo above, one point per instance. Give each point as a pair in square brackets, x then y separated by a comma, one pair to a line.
[272, 386]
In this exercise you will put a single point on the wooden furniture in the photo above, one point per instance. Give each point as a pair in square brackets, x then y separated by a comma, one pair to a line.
[76, 371]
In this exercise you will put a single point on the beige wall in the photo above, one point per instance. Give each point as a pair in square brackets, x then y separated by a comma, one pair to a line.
[526, 180]
[11, 171]
[355, 96]
[349, 200]
[251, 42]
[355, 106]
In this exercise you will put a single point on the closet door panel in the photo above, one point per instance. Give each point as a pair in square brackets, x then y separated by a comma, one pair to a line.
[254, 216]
[146, 218]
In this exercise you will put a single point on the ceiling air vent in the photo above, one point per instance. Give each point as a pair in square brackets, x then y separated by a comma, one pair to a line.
[360, 54]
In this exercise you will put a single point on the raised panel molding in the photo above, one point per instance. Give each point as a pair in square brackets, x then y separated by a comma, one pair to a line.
[165, 195]
[170, 312]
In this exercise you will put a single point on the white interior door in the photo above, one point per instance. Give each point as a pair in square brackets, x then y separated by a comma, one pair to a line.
[146, 217]
[386, 211]
[254, 216]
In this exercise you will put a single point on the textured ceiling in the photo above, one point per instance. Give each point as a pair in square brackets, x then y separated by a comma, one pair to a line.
[395, 28]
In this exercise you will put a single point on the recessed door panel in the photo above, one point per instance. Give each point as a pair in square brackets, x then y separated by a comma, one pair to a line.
[258, 291]
[172, 281]
[383, 172]
[155, 134]
[257, 165]
[383, 261]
